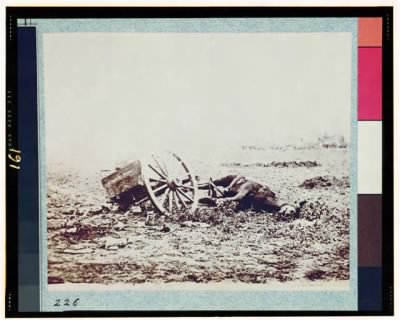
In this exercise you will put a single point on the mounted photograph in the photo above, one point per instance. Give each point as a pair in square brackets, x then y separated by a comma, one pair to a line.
[198, 160]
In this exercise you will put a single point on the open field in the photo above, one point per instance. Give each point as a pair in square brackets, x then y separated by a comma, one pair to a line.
[90, 241]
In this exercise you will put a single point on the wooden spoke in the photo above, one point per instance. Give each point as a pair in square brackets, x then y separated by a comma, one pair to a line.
[142, 200]
[175, 170]
[180, 199]
[185, 179]
[162, 176]
[175, 200]
[160, 173]
[186, 187]
[160, 188]
[164, 197]
[170, 195]
[158, 180]
[185, 195]
[162, 169]
[215, 188]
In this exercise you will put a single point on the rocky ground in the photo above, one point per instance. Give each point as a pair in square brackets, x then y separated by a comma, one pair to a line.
[90, 241]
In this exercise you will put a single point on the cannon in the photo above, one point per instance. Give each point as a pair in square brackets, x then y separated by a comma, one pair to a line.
[164, 180]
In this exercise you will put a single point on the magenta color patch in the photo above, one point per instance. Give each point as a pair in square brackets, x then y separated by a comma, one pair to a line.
[369, 83]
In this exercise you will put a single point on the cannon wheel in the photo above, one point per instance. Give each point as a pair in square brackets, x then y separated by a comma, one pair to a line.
[170, 183]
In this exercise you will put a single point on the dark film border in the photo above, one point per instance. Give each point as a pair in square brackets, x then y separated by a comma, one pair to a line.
[387, 165]
[11, 303]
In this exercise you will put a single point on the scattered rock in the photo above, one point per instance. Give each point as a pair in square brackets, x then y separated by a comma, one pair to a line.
[69, 212]
[71, 230]
[150, 219]
[115, 243]
[77, 251]
[55, 280]
[313, 210]
[165, 228]
[100, 210]
[201, 224]
[197, 278]
[119, 226]
[135, 209]
[326, 182]
[187, 224]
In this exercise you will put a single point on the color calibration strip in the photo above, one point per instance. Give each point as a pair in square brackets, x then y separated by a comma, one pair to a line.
[370, 163]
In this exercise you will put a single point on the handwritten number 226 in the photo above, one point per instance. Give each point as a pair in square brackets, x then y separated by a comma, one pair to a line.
[66, 302]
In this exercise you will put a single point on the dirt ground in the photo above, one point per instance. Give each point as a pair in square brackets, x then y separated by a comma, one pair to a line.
[90, 241]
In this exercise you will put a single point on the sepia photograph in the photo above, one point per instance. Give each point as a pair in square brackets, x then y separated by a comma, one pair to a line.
[197, 160]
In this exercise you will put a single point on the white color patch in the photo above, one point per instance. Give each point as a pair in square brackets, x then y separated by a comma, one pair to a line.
[369, 157]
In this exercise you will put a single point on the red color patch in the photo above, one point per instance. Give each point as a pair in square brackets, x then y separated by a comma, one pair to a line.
[369, 83]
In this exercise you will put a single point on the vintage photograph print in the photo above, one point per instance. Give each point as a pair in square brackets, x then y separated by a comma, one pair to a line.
[202, 161]
[198, 158]
[194, 163]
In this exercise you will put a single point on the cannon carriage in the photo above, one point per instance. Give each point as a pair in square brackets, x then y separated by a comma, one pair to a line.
[164, 180]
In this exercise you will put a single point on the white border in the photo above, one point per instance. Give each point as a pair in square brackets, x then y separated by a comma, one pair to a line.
[5, 3]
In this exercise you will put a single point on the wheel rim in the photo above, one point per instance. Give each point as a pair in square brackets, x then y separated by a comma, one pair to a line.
[171, 185]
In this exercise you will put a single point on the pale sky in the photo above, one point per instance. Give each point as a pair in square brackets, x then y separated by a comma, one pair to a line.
[114, 95]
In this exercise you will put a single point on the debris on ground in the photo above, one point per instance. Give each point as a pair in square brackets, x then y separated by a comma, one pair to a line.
[275, 164]
[111, 243]
[77, 251]
[326, 182]
[91, 241]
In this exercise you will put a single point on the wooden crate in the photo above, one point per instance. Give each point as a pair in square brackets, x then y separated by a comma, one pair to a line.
[123, 180]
